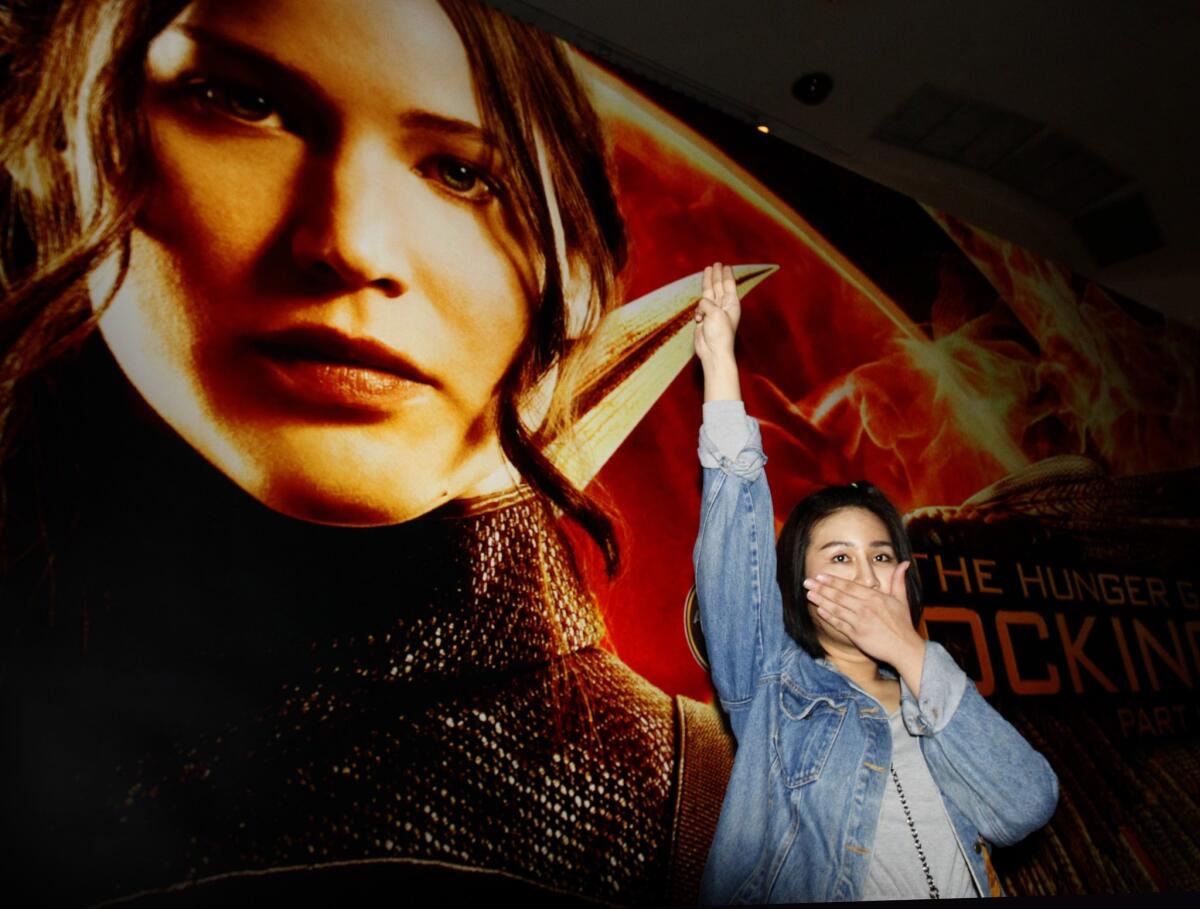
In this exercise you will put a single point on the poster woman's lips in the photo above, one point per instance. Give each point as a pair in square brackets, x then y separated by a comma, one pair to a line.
[322, 365]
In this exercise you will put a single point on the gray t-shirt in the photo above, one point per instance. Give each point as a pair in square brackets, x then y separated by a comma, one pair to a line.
[895, 871]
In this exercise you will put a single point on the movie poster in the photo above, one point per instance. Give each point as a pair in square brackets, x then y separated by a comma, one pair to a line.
[318, 315]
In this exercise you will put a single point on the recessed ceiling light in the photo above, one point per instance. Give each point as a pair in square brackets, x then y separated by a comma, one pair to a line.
[813, 88]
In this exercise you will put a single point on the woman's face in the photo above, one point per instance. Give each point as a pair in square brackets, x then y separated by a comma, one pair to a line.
[851, 543]
[324, 290]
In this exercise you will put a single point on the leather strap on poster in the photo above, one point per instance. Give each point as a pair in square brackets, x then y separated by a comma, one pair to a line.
[704, 759]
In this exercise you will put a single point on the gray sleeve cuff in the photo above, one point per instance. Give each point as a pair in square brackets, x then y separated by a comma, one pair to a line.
[942, 687]
[728, 430]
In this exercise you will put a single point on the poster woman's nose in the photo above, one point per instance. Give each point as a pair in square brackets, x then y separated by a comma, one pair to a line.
[344, 238]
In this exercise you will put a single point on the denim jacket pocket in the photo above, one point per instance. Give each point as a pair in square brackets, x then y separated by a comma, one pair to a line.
[808, 727]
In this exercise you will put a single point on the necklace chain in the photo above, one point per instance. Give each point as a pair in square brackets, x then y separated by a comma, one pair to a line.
[912, 828]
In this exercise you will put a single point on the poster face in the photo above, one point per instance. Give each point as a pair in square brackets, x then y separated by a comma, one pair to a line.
[289, 610]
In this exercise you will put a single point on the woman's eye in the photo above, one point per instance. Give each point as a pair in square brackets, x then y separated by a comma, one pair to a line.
[241, 102]
[882, 557]
[460, 178]
[841, 557]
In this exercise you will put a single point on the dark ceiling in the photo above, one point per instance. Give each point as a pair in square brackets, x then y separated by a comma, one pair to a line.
[1068, 126]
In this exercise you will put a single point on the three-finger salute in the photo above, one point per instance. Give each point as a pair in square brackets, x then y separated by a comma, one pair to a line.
[718, 312]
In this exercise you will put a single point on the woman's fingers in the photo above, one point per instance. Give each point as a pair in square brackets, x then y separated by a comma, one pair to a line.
[706, 308]
[829, 606]
[729, 284]
[841, 617]
[842, 624]
[838, 588]
[836, 601]
[719, 285]
[845, 601]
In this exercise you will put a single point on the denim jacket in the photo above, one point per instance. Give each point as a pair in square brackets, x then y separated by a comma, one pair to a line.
[800, 812]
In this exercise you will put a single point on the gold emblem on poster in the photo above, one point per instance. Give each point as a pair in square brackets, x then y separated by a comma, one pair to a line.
[692, 630]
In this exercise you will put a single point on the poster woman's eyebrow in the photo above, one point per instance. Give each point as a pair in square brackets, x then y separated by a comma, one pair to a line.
[258, 59]
[433, 122]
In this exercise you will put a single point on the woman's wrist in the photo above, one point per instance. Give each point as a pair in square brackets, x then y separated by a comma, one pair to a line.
[721, 378]
[910, 663]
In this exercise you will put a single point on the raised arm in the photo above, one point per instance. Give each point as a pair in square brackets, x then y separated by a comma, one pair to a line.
[740, 608]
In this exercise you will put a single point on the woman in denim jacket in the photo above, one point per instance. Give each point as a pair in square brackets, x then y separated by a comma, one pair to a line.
[868, 766]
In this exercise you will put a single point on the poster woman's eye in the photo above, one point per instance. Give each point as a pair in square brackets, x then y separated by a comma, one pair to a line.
[239, 102]
[459, 178]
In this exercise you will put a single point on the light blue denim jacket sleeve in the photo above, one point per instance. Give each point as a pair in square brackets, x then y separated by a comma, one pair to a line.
[741, 613]
[985, 766]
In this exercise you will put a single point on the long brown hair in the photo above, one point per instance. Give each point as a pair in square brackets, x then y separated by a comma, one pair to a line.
[75, 172]
[528, 94]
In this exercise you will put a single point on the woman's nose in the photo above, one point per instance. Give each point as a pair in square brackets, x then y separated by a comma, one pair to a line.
[345, 238]
[867, 575]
